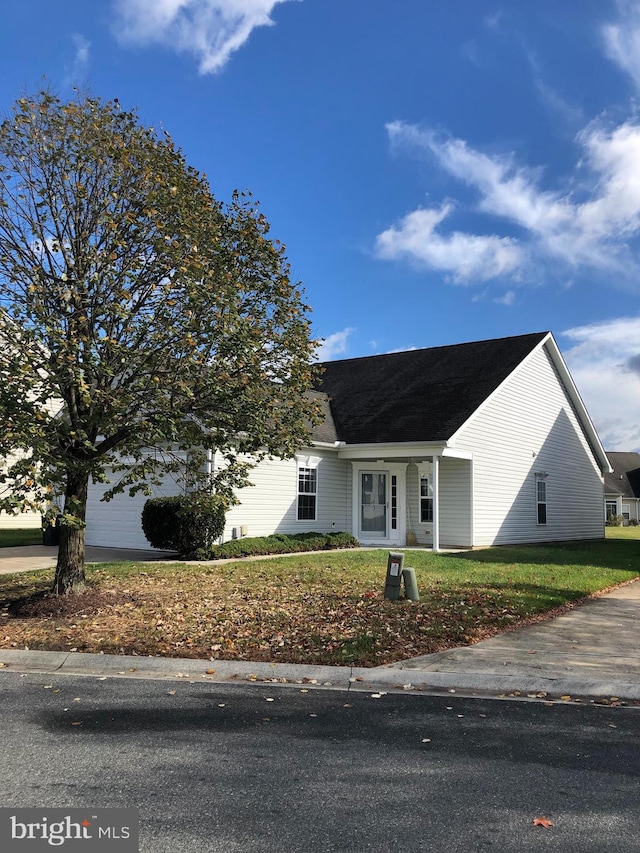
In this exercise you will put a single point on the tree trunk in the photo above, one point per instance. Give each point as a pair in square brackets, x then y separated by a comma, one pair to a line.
[70, 567]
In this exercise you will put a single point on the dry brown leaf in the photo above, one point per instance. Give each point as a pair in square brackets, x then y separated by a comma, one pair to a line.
[543, 821]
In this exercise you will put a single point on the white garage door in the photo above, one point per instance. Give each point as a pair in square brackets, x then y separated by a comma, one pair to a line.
[117, 524]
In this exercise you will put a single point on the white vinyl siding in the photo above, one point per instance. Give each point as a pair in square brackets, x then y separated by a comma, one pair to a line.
[9, 521]
[118, 522]
[271, 504]
[529, 426]
[30, 520]
[421, 530]
[455, 504]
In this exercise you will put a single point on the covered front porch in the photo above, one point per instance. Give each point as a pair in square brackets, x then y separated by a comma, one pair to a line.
[406, 496]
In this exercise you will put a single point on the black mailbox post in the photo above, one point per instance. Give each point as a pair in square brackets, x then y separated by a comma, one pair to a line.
[395, 561]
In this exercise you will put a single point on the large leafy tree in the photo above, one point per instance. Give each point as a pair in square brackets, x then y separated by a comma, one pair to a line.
[142, 322]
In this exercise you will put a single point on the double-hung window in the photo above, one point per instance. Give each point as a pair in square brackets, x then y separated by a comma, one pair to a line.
[307, 493]
[426, 498]
[541, 500]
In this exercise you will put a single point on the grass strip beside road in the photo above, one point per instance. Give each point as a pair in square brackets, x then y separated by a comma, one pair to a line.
[15, 537]
[318, 608]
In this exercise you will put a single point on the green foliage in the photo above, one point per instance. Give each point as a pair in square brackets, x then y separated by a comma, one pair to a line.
[279, 543]
[342, 540]
[186, 524]
[142, 321]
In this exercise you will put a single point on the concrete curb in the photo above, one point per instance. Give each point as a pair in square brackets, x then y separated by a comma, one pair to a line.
[361, 680]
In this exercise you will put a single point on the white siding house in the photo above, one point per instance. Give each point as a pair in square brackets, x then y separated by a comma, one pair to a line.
[31, 519]
[118, 522]
[527, 438]
[270, 505]
[622, 487]
[476, 444]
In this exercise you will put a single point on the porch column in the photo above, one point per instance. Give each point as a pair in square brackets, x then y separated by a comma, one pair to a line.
[435, 469]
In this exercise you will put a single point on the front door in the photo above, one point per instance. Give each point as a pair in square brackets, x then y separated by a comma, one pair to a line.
[373, 505]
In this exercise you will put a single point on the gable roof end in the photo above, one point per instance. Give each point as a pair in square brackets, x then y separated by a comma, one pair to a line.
[420, 395]
[427, 395]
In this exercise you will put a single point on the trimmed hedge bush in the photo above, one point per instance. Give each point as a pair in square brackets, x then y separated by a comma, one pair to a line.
[186, 523]
[278, 543]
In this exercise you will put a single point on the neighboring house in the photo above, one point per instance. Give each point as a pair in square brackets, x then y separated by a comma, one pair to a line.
[31, 518]
[459, 446]
[622, 487]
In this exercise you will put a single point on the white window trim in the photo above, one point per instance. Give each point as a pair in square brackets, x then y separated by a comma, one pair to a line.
[425, 469]
[307, 463]
[542, 478]
[428, 476]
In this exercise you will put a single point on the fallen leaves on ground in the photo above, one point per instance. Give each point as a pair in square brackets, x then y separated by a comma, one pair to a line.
[543, 821]
[232, 613]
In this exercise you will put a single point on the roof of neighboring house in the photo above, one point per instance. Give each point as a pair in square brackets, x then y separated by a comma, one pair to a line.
[625, 479]
[418, 395]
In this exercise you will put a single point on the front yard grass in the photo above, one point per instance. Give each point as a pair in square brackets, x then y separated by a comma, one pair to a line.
[16, 536]
[630, 532]
[322, 608]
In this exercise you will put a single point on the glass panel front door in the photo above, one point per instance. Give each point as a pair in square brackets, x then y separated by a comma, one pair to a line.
[373, 503]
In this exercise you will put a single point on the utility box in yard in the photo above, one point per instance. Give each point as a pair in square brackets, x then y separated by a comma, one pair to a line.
[393, 581]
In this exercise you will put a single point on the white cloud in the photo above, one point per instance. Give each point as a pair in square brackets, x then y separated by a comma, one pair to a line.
[466, 257]
[622, 39]
[591, 231]
[82, 50]
[508, 298]
[211, 30]
[604, 360]
[333, 345]
[75, 73]
[493, 21]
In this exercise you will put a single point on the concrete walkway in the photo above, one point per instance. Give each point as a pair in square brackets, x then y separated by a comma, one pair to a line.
[593, 651]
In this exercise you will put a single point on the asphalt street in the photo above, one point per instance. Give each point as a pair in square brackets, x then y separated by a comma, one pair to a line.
[266, 768]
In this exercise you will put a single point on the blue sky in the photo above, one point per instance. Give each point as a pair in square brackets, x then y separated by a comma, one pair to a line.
[439, 171]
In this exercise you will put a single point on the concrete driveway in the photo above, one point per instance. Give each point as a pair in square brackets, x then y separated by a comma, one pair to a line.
[26, 558]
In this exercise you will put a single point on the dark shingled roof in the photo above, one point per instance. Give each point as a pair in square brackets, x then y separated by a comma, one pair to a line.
[418, 395]
[325, 431]
[625, 479]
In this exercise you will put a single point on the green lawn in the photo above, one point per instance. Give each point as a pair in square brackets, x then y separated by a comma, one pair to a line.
[19, 536]
[324, 607]
[631, 532]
